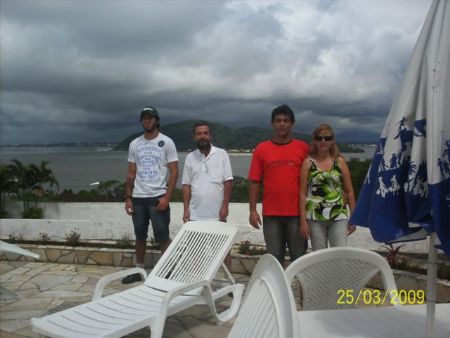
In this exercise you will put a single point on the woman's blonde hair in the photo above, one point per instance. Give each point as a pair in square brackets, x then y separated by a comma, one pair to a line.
[334, 150]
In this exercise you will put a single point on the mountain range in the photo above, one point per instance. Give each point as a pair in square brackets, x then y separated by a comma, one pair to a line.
[223, 136]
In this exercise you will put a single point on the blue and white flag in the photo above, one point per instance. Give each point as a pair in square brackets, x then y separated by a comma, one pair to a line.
[407, 187]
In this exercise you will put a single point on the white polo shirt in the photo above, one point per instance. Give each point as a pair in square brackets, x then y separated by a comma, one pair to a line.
[151, 158]
[206, 176]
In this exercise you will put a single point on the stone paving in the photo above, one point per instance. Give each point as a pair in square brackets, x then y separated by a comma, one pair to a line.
[43, 288]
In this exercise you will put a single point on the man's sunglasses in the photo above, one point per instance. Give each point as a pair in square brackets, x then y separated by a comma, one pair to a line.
[323, 138]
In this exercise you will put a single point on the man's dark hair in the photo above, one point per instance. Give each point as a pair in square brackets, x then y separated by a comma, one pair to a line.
[283, 110]
[199, 124]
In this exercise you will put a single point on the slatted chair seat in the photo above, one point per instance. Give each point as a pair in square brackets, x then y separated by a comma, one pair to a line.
[181, 278]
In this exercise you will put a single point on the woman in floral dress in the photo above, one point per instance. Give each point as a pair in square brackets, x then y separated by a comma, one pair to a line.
[326, 193]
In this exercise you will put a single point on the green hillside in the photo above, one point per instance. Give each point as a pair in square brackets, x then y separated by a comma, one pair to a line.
[223, 137]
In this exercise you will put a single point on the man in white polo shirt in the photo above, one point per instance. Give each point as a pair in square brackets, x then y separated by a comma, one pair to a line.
[207, 180]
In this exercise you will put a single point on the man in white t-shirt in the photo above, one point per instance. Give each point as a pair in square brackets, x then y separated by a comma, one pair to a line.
[207, 180]
[147, 191]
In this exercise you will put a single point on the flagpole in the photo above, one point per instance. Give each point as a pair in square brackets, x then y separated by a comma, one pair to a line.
[431, 285]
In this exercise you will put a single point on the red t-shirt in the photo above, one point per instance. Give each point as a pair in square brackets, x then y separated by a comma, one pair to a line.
[278, 167]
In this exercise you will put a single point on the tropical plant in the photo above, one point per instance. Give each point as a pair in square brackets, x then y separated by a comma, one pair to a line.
[7, 186]
[105, 188]
[392, 255]
[29, 181]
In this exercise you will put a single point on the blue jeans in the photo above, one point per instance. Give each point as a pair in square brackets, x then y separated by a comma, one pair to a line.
[144, 211]
[280, 231]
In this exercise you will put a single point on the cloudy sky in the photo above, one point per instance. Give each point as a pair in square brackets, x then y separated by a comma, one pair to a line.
[83, 70]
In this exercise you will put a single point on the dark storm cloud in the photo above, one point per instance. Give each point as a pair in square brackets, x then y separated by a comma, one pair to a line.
[82, 70]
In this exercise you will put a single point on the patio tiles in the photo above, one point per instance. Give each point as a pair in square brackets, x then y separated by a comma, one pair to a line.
[44, 288]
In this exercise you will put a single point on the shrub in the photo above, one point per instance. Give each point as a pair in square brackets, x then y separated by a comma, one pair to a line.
[73, 237]
[124, 242]
[152, 242]
[358, 170]
[43, 238]
[443, 271]
[240, 190]
[33, 213]
[13, 238]
[246, 248]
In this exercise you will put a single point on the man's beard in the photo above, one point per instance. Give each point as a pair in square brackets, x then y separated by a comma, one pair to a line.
[150, 130]
[203, 145]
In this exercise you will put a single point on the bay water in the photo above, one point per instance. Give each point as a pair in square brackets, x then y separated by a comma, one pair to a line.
[77, 168]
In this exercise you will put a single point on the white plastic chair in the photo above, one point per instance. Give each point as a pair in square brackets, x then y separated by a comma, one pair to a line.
[326, 275]
[180, 279]
[268, 308]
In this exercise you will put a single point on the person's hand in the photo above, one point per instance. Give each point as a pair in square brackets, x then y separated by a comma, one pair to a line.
[163, 203]
[305, 230]
[129, 206]
[223, 214]
[186, 216]
[350, 229]
[254, 219]
[344, 198]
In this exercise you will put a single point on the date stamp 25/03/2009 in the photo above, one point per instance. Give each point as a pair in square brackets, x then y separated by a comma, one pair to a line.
[377, 297]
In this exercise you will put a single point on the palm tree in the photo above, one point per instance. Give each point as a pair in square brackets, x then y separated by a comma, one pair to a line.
[30, 181]
[7, 186]
[18, 170]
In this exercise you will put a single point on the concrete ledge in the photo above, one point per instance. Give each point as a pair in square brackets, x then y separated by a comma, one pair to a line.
[109, 256]
[84, 255]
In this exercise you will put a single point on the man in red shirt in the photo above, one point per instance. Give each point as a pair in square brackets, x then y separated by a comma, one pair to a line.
[276, 165]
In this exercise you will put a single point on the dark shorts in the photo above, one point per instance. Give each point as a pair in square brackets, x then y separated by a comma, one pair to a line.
[144, 211]
[280, 231]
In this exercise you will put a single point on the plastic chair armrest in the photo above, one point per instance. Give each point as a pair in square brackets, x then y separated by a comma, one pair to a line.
[105, 280]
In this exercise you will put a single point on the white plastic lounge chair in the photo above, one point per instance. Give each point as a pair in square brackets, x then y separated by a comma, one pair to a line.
[325, 274]
[180, 279]
[268, 308]
[7, 247]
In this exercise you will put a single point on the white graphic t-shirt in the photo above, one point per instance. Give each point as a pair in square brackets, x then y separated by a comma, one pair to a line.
[151, 158]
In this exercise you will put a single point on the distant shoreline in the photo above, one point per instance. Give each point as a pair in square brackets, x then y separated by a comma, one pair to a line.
[234, 153]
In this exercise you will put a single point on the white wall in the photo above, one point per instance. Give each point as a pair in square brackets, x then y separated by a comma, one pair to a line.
[101, 221]
[108, 221]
